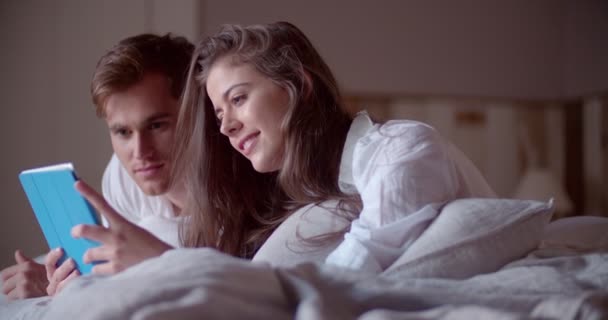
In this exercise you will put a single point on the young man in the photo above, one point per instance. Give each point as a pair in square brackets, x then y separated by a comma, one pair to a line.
[135, 88]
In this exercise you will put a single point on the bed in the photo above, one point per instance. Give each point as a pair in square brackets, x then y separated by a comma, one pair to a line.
[481, 258]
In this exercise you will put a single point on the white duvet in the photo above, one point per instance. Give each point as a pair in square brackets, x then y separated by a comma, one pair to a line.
[202, 283]
[476, 261]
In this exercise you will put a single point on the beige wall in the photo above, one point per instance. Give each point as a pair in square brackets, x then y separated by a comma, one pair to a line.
[595, 151]
[495, 48]
[586, 47]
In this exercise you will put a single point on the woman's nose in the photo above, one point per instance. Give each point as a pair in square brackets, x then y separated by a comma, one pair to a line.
[230, 126]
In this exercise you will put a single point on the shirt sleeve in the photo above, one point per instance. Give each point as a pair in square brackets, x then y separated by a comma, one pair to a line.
[403, 173]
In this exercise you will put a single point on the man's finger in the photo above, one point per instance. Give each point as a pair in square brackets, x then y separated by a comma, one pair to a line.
[98, 202]
[9, 272]
[15, 294]
[74, 274]
[62, 284]
[20, 257]
[50, 289]
[9, 285]
[50, 262]
[64, 270]
[92, 232]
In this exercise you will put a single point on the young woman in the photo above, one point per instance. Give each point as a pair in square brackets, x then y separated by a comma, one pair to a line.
[264, 131]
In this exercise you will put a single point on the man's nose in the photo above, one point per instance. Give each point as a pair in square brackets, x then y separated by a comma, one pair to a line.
[143, 146]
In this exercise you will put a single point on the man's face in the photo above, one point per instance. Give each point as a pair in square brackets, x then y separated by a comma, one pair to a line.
[142, 120]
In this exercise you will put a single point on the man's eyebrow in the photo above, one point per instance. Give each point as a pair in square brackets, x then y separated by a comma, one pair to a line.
[117, 127]
[152, 118]
[158, 116]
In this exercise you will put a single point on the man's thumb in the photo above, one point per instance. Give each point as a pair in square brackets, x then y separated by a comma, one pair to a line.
[20, 257]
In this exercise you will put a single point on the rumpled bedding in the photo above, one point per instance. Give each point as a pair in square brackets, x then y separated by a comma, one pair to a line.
[550, 283]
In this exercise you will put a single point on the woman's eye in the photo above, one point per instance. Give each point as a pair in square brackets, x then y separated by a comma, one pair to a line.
[237, 100]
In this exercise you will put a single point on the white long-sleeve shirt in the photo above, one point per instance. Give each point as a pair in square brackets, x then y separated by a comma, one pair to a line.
[404, 171]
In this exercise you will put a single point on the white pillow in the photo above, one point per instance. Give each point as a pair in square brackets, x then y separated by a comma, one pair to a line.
[286, 247]
[579, 233]
[474, 236]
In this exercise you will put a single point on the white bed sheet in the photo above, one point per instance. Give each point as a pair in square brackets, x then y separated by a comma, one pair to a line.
[192, 284]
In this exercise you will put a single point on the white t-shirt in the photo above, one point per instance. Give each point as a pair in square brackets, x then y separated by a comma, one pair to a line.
[153, 213]
[404, 172]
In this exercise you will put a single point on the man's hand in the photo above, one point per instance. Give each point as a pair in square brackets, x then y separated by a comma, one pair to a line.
[26, 279]
[58, 277]
[123, 244]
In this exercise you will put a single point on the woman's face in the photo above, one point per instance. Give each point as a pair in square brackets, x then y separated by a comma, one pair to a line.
[250, 109]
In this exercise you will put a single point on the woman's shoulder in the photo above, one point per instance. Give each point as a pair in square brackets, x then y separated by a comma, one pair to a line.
[401, 132]
[402, 126]
[395, 142]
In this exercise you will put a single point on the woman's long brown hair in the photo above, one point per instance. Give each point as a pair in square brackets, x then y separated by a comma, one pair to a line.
[232, 207]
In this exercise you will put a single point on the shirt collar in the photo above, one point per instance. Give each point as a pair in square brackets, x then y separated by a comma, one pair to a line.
[361, 124]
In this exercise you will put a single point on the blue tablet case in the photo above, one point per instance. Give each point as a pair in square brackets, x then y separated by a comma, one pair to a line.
[59, 207]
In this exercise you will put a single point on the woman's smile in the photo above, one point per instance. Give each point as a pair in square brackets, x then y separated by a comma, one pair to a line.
[248, 143]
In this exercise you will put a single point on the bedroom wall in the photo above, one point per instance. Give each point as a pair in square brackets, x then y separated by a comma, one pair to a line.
[586, 48]
[491, 48]
[595, 113]
[516, 49]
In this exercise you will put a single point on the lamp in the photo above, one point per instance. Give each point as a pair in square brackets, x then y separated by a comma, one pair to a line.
[540, 183]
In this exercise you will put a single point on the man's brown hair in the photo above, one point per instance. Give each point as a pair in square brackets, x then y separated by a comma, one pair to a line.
[126, 63]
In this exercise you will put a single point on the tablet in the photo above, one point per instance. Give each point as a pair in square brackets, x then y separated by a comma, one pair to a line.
[58, 207]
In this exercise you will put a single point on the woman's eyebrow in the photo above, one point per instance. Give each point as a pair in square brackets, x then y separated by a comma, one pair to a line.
[227, 93]
[232, 87]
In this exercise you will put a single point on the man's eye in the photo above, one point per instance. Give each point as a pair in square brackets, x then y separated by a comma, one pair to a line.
[157, 125]
[122, 132]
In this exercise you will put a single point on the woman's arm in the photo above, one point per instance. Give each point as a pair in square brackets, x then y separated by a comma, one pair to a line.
[404, 173]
